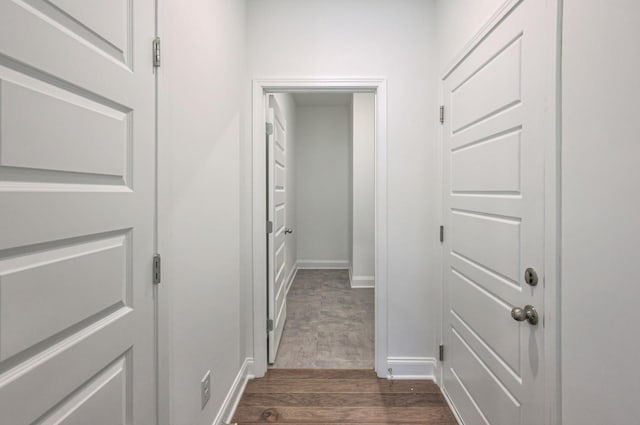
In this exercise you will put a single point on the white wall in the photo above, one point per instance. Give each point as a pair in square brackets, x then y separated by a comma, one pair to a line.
[396, 40]
[203, 101]
[600, 212]
[322, 185]
[363, 199]
[457, 22]
[288, 108]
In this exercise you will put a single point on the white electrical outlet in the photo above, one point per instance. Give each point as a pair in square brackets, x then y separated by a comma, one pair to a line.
[205, 388]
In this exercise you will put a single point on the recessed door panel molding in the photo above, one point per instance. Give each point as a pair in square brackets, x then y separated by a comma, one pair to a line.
[482, 311]
[54, 49]
[103, 24]
[494, 215]
[77, 187]
[492, 241]
[509, 378]
[279, 198]
[276, 200]
[280, 138]
[280, 176]
[492, 88]
[278, 224]
[45, 128]
[45, 292]
[498, 285]
[500, 154]
[101, 401]
[69, 363]
[494, 401]
[279, 265]
[279, 238]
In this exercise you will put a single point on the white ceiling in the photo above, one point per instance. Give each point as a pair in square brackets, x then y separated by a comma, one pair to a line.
[322, 99]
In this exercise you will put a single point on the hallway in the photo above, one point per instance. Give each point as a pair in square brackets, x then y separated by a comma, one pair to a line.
[361, 211]
[329, 325]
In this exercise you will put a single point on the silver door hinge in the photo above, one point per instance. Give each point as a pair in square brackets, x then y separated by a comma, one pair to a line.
[157, 269]
[441, 114]
[156, 52]
[269, 128]
[269, 227]
[441, 233]
[441, 356]
[269, 325]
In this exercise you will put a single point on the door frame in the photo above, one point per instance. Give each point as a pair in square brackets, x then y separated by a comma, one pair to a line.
[552, 197]
[262, 87]
[162, 291]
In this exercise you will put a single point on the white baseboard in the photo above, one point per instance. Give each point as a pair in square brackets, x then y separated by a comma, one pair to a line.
[291, 278]
[323, 264]
[361, 281]
[230, 403]
[412, 368]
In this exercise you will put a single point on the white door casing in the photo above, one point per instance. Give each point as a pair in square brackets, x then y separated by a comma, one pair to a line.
[77, 193]
[497, 119]
[259, 256]
[276, 200]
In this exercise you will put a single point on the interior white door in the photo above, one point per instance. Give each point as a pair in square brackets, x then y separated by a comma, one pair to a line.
[497, 123]
[276, 199]
[76, 223]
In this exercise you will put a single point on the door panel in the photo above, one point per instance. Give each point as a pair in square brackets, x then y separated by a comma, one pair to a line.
[277, 305]
[501, 154]
[491, 88]
[71, 283]
[500, 250]
[485, 314]
[76, 189]
[47, 129]
[101, 402]
[496, 99]
[495, 402]
[102, 24]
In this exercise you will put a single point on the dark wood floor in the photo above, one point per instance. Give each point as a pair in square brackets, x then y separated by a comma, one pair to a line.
[340, 396]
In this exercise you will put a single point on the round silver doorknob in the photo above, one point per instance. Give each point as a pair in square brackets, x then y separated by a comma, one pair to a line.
[287, 231]
[527, 313]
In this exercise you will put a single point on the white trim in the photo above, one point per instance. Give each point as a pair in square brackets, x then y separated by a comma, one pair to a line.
[451, 406]
[552, 201]
[230, 403]
[292, 276]
[411, 368]
[323, 264]
[355, 277]
[361, 281]
[162, 292]
[375, 85]
[553, 234]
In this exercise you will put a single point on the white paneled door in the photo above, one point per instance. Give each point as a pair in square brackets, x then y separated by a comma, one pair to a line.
[76, 218]
[276, 199]
[497, 121]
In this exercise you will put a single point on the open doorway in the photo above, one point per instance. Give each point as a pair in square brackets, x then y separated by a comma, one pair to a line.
[320, 210]
[323, 307]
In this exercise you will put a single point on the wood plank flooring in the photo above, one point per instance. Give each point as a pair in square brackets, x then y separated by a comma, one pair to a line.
[340, 396]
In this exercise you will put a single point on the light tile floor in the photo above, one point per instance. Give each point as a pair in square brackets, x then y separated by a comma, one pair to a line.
[329, 325]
